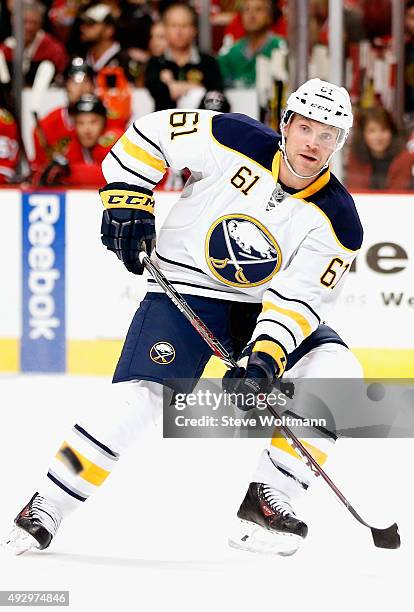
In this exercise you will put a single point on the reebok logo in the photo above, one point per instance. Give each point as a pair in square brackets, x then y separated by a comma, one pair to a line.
[41, 258]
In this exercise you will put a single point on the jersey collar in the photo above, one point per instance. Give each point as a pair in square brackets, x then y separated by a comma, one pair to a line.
[317, 185]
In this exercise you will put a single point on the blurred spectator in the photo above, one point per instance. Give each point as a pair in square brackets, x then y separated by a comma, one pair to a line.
[9, 143]
[157, 41]
[353, 21]
[236, 30]
[133, 29]
[113, 89]
[377, 18]
[409, 57]
[62, 15]
[81, 165]
[238, 65]
[375, 145]
[182, 68]
[97, 31]
[401, 174]
[134, 25]
[5, 20]
[55, 131]
[38, 45]
[223, 11]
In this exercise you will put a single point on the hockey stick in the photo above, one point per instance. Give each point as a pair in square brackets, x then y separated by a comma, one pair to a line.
[383, 538]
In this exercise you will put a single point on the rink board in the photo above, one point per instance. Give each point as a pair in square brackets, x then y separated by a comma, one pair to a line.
[67, 302]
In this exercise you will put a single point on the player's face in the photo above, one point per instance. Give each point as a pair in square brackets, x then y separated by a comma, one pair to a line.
[309, 144]
[180, 31]
[256, 15]
[75, 89]
[377, 137]
[89, 127]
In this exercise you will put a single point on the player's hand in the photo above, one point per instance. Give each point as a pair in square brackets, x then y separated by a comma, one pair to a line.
[247, 384]
[266, 364]
[127, 232]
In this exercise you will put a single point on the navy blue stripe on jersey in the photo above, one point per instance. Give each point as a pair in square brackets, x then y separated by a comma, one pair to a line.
[337, 204]
[281, 325]
[282, 297]
[95, 441]
[151, 281]
[144, 178]
[149, 141]
[181, 265]
[65, 488]
[247, 136]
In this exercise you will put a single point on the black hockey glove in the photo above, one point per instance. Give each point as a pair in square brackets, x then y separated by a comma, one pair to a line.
[266, 363]
[128, 223]
[56, 171]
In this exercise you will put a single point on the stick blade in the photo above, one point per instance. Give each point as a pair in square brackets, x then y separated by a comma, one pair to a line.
[386, 538]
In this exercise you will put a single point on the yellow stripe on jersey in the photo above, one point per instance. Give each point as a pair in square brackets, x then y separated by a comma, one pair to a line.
[282, 444]
[274, 350]
[292, 314]
[313, 187]
[141, 155]
[90, 472]
[310, 189]
[276, 166]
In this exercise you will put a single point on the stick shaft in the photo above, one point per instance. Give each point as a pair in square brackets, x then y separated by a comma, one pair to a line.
[221, 352]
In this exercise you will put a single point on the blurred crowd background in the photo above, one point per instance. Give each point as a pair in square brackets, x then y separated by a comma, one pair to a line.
[82, 64]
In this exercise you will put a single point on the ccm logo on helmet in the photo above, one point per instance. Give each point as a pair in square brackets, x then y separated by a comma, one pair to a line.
[319, 107]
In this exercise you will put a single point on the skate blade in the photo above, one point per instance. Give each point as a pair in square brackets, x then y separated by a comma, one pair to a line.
[253, 538]
[18, 542]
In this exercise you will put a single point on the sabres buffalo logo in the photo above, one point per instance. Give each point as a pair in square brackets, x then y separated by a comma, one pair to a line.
[162, 353]
[241, 252]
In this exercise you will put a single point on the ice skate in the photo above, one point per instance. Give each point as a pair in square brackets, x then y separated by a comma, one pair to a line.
[35, 527]
[267, 523]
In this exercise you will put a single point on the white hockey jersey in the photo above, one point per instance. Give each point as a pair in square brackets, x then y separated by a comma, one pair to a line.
[234, 234]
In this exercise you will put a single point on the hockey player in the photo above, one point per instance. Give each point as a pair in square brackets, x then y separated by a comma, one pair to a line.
[88, 147]
[54, 132]
[259, 243]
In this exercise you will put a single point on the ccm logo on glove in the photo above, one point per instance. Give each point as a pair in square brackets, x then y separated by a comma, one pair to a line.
[141, 199]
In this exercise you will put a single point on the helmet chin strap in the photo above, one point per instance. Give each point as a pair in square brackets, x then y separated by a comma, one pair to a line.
[302, 176]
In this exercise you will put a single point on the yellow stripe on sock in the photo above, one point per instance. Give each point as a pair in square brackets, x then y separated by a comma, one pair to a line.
[141, 155]
[91, 472]
[283, 445]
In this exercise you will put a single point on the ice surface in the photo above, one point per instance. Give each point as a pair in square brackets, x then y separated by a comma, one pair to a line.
[154, 536]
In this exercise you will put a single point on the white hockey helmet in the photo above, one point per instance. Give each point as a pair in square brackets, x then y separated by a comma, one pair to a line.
[323, 102]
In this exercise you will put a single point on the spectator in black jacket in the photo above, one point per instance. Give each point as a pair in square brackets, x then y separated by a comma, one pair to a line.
[182, 68]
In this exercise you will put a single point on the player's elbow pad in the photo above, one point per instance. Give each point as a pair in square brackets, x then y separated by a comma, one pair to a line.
[128, 223]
